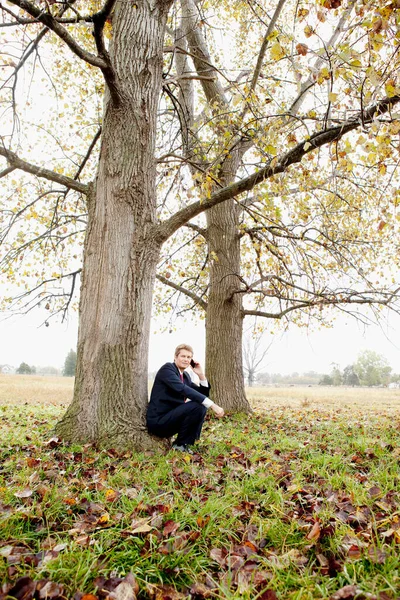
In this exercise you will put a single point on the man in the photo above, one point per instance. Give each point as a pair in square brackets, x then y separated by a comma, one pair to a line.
[177, 405]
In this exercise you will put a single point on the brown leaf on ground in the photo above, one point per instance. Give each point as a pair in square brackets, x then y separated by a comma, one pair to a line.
[49, 590]
[202, 521]
[315, 531]
[170, 527]
[268, 595]
[348, 591]
[52, 442]
[219, 555]
[376, 555]
[140, 526]
[111, 495]
[25, 493]
[199, 590]
[127, 589]
[23, 589]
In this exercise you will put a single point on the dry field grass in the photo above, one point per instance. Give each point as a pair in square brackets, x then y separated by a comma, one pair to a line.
[35, 389]
[327, 399]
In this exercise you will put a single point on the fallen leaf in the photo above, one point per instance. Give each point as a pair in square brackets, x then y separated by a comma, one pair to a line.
[315, 531]
[140, 526]
[26, 493]
[170, 527]
[348, 591]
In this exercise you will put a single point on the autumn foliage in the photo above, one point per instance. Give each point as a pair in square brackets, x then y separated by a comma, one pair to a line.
[288, 501]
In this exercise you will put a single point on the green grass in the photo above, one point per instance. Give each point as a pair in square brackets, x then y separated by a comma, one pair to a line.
[300, 502]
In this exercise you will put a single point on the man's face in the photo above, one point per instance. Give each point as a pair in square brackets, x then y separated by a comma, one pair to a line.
[182, 360]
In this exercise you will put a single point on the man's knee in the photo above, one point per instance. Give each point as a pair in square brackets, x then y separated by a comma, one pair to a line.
[195, 408]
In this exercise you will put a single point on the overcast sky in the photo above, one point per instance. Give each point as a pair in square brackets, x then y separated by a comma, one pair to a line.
[25, 339]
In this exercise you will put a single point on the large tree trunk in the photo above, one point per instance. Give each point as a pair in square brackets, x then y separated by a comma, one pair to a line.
[120, 258]
[224, 322]
[224, 312]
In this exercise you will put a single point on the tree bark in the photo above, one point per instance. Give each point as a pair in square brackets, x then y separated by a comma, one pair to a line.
[121, 253]
[224, 322]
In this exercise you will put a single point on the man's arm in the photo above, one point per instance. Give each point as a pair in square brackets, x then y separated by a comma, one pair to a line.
[169, 375]
[205, 387]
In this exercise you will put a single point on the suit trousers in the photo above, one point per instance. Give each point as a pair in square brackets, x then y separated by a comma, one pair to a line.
[186, 420]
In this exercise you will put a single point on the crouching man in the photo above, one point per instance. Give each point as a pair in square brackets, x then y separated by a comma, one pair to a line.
[177, 405]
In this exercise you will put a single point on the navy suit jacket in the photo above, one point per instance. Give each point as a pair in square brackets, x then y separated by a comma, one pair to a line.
[169, 391]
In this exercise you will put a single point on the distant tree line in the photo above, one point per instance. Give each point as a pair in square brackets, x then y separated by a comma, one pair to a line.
[68, 369]
[369, 369]
[25, 369]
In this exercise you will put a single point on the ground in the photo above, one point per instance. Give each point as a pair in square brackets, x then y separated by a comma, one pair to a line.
[298, 501]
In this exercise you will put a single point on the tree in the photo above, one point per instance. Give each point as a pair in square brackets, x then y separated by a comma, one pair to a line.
[326, 380]
[253, 353]
[125, 234]
[336, 375]
[24, 369]
[350, 377]
[372, 368]
[70, 364]
[308, 232]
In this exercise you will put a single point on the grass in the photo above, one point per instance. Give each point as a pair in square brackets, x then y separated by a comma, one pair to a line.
[291, 503]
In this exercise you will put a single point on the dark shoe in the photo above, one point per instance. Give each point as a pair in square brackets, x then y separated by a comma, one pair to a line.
[183, 448]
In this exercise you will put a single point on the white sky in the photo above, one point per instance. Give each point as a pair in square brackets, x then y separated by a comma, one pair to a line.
[23, 339]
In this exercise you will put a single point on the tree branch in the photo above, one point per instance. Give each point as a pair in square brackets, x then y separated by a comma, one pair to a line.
[383, 301]
[6, 171]
[17, 163]
[264, 45]
[88, 153]
[65, 20]
[99, 20]
[275, 165]
[51, 23]
[183, 290]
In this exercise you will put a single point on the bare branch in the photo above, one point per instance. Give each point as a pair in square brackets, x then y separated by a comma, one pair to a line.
[264, 45]
[201, 58]
[370, 298]
[6, 171]
[201, 230]
[88, 153]
[65, 20]
[51, 23]
[17, 163]
[183, 290]
[99, 20]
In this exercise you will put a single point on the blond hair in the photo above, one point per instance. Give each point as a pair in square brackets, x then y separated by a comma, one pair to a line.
[183, 347]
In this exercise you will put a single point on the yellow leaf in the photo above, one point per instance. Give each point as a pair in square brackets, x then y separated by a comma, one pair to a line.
[323, 75]
[333, 97]
[270, 149]
[103, 520]
[277, 51]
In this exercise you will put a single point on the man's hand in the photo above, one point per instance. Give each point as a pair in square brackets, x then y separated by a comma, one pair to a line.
[218, 411]
[199, 371]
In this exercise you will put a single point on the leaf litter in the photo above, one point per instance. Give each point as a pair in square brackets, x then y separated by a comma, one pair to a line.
[303, 493]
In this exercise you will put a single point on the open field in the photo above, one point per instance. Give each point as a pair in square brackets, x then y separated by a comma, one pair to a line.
[373, 400]
[298, 501]
[35, 389]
